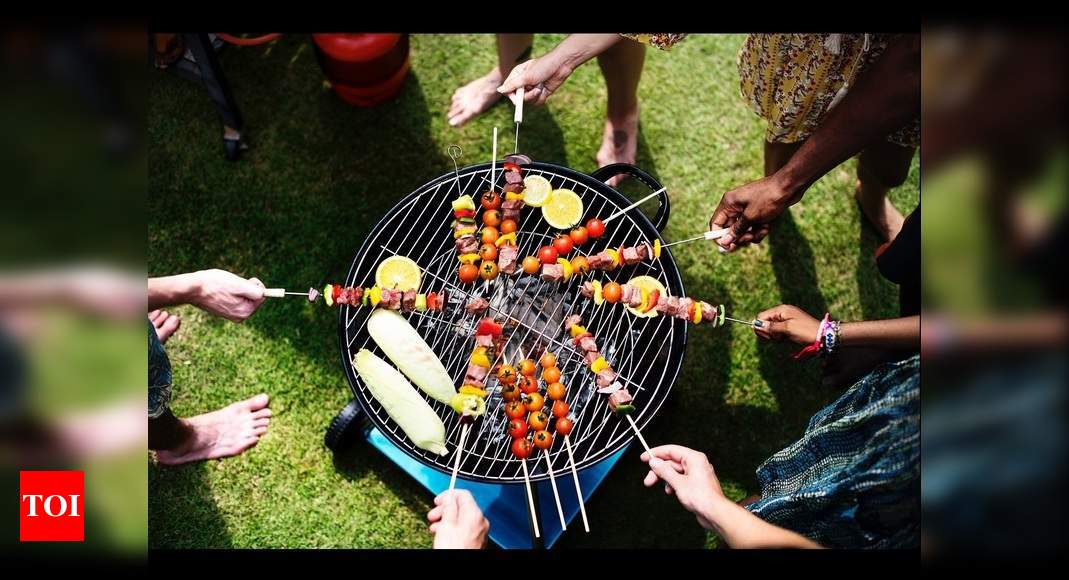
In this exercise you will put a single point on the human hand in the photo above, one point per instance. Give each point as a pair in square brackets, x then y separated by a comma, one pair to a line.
[786, 322]
[689, 476]
[227, 295]
[748, 209]
[540, 77]
[457, 522]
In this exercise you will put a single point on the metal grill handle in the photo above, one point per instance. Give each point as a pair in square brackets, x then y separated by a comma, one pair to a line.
[660, 220]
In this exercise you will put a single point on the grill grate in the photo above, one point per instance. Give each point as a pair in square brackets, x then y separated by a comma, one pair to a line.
[647, 353]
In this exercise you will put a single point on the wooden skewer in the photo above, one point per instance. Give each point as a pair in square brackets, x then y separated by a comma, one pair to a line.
[518, 118]
[709, 235]
[632, 206]
[639, 434]
[530, 497]
[575, 478]
[456, 464]
[493, 162]
[556, 496]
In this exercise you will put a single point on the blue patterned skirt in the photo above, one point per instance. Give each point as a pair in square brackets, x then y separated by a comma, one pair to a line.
[853, 479]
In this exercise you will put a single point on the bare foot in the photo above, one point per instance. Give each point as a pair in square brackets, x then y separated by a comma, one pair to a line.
[223, 433]
[619, 143]
[475, 97]
[166, 324]
[881, 213]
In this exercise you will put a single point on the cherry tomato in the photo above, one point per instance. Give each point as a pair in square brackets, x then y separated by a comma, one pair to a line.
[527, 367]
[515, 410]
[510, 393]
[555, 391]
[531, 265]
[535, 402]
[611, 292]
[528, 384]
[506, 375]
[547, 255]
[548, 360]
[560, 409]
[551, 375]
[579, 235]
[468, 273]
[563, 245]
[490, 200]
[490, 234]
[488, 270]
[492, 218]
[564, 426]
[488, 252]
[543, 440]
[580, 265]
[538, 421]
[517, 428]
[595, 228]
[508, 226]
[521, 448]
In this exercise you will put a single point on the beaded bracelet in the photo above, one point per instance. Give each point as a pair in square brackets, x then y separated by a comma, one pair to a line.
[829, 336]
[818, 344]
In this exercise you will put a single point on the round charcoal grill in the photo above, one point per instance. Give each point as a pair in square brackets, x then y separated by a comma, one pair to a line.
[646, 352]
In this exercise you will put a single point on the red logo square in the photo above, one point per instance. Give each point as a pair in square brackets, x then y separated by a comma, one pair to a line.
[51, 506]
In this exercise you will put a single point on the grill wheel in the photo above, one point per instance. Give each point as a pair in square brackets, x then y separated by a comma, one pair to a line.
[647, 353]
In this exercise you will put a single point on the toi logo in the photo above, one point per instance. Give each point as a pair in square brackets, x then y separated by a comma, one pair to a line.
[51, 504]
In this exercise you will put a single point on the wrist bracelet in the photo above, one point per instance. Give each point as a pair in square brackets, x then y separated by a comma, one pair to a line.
[818, 344]
[830, 337]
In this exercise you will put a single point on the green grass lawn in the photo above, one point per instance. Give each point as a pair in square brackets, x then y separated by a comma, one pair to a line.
[294, 210]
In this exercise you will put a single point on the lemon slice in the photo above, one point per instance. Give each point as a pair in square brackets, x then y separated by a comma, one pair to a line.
[648, 285]
[398, 273]
[536, 190]
[563, 209]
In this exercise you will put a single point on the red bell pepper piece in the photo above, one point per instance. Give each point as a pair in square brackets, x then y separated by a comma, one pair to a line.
[463, 213]
[512, 167]
[655, 295]
[575, 341]
[488, 326]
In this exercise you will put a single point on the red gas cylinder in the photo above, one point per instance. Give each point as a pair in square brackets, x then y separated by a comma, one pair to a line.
[364, 69]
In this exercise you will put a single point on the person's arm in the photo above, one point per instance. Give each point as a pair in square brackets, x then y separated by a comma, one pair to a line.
[216, 291]
[883, 99]
[786, 322]
[688, 475]
[542, 76]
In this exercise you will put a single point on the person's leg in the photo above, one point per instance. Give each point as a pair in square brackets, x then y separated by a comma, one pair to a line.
[621, 66]
[223, 433]
[165, 324]
[478, 95]
[879, 169]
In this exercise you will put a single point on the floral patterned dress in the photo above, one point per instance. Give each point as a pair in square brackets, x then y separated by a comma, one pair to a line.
[793, 80]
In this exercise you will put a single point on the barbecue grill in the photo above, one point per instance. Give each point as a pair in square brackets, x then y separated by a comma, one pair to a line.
[646, 352]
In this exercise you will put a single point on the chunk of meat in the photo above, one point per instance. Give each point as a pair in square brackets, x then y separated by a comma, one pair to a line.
[516, 204]
[708, 312]
[664, 305]
[552, 272]
[512, 188]
[477, 306]
[475, 375]
[343, 297]
[572, 321]
[518, 159]
[591, 356]
[605, 377]
[616, 386]
[685, 309]
[587, 289]
[600, 261]
[408, 300]
[630, 256]
[467, 244]
[635, 297]
[513, 177]
[620, 397]
[484, 340]
[355, 294]
[588, 344]
[506, 258]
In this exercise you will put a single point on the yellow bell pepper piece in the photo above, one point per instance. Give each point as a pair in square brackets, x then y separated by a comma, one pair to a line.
[509, 238]
[697, 317]
[479, 358]
[656, 249]
[473, 390]
[468, 258]
[376, 295]
[576, 330]
[615, 256]
[598, 299]
[567, 267]
[513, 196]
[598, 365]
[463, 232]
